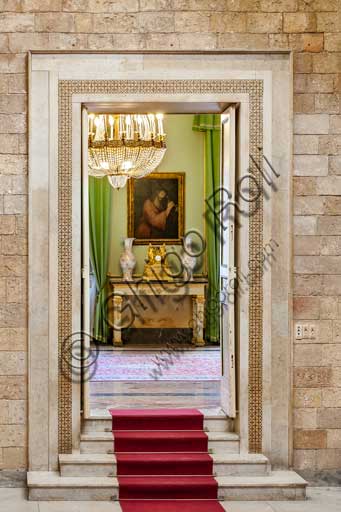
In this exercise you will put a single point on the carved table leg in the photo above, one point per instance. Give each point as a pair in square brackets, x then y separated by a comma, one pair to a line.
[194, 319]
[117, 332]
[198, 320]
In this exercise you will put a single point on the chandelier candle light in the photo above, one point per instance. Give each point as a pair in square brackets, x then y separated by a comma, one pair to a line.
[124, 146]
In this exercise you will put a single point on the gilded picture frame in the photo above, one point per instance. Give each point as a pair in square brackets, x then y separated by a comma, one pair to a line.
[156, 208]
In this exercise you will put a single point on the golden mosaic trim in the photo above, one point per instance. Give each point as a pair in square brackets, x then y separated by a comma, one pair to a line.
[66, 89]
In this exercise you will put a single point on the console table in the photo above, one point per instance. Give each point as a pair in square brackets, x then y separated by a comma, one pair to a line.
[139, 287]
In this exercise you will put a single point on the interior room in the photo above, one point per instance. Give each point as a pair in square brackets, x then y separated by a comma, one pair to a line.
[152, 293]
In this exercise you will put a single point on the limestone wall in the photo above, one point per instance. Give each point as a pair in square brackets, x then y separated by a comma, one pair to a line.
[312, 29]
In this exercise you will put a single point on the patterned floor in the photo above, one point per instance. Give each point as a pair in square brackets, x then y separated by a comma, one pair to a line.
[156, 365]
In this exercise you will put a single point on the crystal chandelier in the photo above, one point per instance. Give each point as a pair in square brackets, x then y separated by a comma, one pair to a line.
[124, 146]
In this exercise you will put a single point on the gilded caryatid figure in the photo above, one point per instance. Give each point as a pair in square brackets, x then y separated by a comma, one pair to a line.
[163, 253]
[151, 255]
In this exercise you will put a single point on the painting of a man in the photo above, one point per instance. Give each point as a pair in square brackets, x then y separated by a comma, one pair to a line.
[156, 212]
[156, 208]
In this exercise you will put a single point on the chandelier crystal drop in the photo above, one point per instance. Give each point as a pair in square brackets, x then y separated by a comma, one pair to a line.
[124, 146]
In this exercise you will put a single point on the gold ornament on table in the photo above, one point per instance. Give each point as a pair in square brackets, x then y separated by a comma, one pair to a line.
[156, 266]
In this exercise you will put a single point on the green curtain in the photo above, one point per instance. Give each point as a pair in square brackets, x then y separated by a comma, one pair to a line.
[99, 219]
[210, 124]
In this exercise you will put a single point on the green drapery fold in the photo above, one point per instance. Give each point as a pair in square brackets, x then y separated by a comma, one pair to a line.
[99, 219]
[210, 124]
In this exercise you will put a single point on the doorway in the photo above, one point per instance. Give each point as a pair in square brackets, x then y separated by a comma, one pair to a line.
[60, 84]
[157, 364]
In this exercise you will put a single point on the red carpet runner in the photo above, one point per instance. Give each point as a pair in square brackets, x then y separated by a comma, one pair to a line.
[163, 463]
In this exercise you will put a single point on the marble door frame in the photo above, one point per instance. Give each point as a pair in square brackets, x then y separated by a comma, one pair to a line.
[59, 85]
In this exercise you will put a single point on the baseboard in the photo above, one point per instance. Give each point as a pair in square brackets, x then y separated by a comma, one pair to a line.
[152, 335]
[177, 336]
[13, 478]
[321, 478]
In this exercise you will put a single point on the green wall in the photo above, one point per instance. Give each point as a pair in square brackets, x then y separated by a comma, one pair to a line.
[185, 153]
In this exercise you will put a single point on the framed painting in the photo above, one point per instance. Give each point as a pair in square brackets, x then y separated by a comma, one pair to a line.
[156, 208]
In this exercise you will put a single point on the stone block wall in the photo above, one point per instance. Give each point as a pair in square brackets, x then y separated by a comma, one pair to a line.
[309, 27]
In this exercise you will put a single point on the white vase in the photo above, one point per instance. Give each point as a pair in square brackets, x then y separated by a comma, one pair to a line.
[188, 261]
[128, 260]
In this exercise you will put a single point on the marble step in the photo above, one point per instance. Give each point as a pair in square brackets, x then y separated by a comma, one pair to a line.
[102, 442]
[162, 394]
[213, 422]
[88, 464]
[51, 486]
[279, 485]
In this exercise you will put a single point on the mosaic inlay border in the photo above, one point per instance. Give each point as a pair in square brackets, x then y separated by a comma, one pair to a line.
[254, 88]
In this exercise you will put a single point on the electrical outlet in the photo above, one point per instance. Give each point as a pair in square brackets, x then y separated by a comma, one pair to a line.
[298, 331]
[306, 331]
[312, 331]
